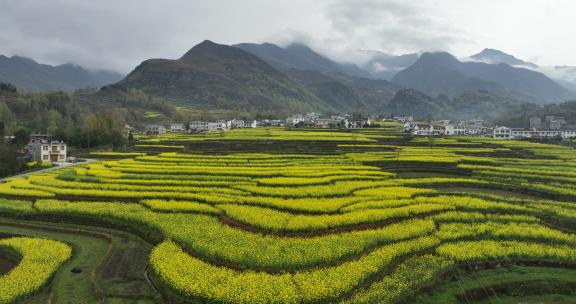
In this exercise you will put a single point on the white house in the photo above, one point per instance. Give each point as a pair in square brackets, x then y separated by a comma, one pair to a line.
[44, 150]
[155, 129]
[427, 130]
[202, 126]
[357, 123]
[455, 130]
[224, 125]
[555, 122]
[311, 117]
[295, 119]
[536, 122]
[177, 127]
[237, 123]
[568, 134]
[403, 118]
[326, 123]
[502, 133]
[277, 123]
[253, 124]
[531, 133]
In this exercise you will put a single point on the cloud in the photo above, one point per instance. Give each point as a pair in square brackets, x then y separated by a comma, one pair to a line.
[118, 35]
[97, 34]
[392, 26]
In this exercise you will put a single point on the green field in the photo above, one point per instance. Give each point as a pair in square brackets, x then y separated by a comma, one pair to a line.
[306, 216]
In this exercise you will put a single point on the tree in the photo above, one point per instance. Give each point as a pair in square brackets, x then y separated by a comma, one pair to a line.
[7, 88]
[9, 163]
[21, 138]
[1, 131]
[7, 117]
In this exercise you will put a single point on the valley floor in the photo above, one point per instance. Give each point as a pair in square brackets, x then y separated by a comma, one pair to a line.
[302, 216]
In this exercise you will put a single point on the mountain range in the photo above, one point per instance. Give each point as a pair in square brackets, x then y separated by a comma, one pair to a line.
[212, 75]
[267, 78]
[30, 76]
[301, 57]
[441, 73]
[346, 87]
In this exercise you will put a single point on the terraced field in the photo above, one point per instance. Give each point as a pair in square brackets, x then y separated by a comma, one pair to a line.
[313, 216]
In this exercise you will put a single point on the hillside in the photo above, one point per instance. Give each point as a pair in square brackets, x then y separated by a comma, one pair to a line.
[522, 118]
[412, 102]
[470, 105]
[442, 73]
[29, 76]
[215, 76]
[301, 57]
[345, 93]
[344, 86]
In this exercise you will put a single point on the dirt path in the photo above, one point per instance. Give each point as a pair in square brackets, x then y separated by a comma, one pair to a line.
[58, 166]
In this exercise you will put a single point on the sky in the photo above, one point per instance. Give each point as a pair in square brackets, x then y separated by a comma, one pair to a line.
[119, 34]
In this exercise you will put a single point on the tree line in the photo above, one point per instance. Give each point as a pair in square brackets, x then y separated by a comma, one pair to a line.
[59, 115]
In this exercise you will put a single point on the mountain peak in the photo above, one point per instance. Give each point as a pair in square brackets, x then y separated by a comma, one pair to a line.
[489, 51]
[207, 43]
[493, 56]
[440, 58]
[204, 47]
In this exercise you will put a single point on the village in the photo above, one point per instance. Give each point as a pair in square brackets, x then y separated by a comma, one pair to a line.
[547, 128]
[41, 149]
[309, 120]
[540, 128]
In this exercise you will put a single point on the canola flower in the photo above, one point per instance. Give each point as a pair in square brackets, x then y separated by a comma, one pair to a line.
[40, 259]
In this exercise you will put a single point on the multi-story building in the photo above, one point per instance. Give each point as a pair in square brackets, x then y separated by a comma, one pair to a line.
[295, 119]
[203, 126]
[455, 130]
[531, 133]
[277, 123]
[253, 124]
[357, 123]
[568, 134]
[426, 130]
[155, 129]
[403, 118]
[518, 133]
[224, 125]
[237, 123]
[311, 117]
[177, 127]
[327, 123]
[536, 122]
[502, 133]
[40, 149]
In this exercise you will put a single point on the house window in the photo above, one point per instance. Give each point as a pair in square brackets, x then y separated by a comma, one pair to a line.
[45, 148]
[44, 157]
[62, 147]
[62, 157]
